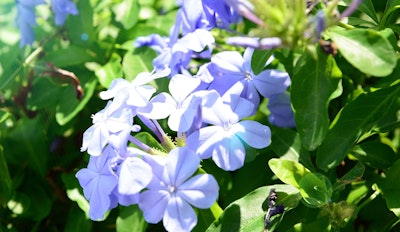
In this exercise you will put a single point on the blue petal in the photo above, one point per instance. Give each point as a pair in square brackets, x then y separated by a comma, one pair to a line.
[181, 164]
[179, 216]
[253, 133]
[200, 191]
[153, 204]
[229, 154]
[134, 176]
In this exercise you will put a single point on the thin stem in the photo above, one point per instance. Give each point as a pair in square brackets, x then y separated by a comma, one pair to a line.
[216, 210]
[138, 143]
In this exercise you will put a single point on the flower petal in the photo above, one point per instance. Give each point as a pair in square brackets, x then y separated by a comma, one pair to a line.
[179, 216]
[153, 204]
[253, 133]
[134, 176]
[229, 154]
[200, 191]
[181, 164]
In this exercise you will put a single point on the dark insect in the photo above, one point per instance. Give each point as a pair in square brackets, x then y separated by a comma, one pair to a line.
[328, 47]
[273, 209]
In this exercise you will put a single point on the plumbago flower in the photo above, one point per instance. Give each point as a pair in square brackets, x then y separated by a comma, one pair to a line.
[61, 9]
[223, 140]
[282, 114]
[230, 68]
[173, 191]
[26, 19]
[181, 106]
[114, 177]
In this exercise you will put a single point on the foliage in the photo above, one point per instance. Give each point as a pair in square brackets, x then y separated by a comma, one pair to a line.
[329, 145]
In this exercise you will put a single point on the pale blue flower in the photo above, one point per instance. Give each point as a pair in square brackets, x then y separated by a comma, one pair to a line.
[111, 125]
[230, 68]
[282, 114]
[61, 8]
[98, 182]
[138, 90]
[179, 105]
[223, 139]
[26, 19]
[173, 191]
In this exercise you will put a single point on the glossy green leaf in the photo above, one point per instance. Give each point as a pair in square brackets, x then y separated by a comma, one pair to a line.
[5, 180]
[127, 13]
[314, 84]
[356, 118]
[366, 7]
[135, 62]
[391, 188]
[130, 219]
[248, 213]
[286, 143]
[259, 59]
[367, 50]
[288, 171]
[315, 190]
[375, 154]
[110, 71]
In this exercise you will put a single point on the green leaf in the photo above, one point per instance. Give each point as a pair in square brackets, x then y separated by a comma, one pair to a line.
[27, 143]
[5, 180]
[138, 61]
[356, 118]
[375, 154]
[69, 106]
[366, 7]
[130, 219]
[77, 221]
[43, 94]
[315, 190]
[259, 59]
[286, 143]
[314, 84]
[127, 13]
[355, 174]
[72, 55]
[288, 171]
[367, 50]
[248, 213]
[391, 188]
[4, 115]
[110, 71]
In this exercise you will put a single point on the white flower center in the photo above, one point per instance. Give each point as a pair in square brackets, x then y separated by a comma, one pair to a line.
[248, 76]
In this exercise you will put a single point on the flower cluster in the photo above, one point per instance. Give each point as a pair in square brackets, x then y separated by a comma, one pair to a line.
[26, 18]
[209, 109]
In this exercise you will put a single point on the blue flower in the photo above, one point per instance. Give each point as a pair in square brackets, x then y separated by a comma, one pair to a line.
[230, 68]
[138, 91]
[173, 191]
[111, 125]
[26, 19]
[281, 111]
[180, 106]
[223, 140]
[98, 182]
[61, 8]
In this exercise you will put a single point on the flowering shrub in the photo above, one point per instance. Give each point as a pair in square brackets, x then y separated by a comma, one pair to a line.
[199, 115]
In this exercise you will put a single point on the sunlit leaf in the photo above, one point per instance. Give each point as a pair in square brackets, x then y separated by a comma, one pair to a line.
[356, 118]
[248, 213]
[367, 50]
[315, 83]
